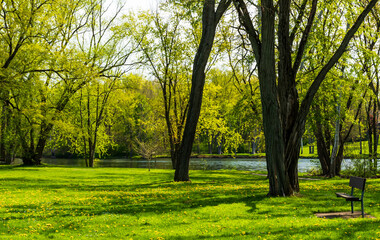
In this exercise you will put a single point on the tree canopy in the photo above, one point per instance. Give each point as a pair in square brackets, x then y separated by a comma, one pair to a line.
[91, 79]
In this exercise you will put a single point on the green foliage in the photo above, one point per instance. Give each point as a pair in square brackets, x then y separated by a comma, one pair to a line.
[134, 203]
[51, 52]
[361, 168]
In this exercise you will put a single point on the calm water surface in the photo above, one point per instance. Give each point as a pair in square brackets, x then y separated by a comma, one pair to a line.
[246, 164]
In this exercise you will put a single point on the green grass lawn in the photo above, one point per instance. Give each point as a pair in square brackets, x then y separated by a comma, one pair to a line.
[115, 203]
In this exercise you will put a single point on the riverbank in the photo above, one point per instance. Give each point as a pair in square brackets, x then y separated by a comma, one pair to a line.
[260, 156]
[118, 203]
[238, 155]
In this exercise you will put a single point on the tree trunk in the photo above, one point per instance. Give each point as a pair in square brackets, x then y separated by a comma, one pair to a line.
[360, 138]
[322, 147]
[336, 143]
[274, 141]
[369, 126]
[44, 135]
[375, 136]
[91, 153]
[284, 122]
[339, 157]
[210, 19]
[3, 127]
[253, 147]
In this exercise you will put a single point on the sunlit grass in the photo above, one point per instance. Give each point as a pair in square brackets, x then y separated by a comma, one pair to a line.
[79, 203]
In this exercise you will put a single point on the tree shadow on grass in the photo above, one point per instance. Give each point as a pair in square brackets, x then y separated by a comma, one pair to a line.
[113, 193]
[132, 203]
[150, 203]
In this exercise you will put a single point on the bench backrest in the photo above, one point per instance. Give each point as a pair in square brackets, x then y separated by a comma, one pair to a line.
[357, 182]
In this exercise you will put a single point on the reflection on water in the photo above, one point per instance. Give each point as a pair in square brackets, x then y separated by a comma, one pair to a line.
[247, 164]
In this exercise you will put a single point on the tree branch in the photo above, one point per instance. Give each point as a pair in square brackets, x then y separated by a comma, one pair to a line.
[306, 103]
[245, 20]
[305, 36]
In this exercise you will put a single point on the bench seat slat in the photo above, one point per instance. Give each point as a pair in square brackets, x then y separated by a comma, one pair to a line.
[347, 197]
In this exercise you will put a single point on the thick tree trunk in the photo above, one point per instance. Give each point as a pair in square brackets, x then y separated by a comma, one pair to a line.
[274, 138]
[210, 19]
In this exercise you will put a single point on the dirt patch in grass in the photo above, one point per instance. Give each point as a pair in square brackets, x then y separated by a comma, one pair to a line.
[345, 215]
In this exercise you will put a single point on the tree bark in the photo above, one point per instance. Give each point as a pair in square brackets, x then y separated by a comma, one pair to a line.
[210, 20]
[323, 146]
[3, 128]
[284, 119]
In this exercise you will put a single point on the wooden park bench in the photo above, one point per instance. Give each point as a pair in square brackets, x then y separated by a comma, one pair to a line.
[355, 182]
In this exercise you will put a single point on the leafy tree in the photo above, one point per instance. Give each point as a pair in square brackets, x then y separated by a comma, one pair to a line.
[216, 122]
[77, 46]
[284, 117]
[31, 49]
[165, 51]
[210, 19]
[333, 112]
[367, 44]
[240, 61]
[137, 114]
[19, 36]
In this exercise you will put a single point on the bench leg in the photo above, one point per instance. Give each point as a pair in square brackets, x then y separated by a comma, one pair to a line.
[362, 209]
[352, 206]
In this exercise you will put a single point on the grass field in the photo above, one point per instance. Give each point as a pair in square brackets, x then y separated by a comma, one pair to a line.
[109, 203]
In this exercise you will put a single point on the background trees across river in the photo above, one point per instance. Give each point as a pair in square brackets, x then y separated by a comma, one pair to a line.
[90, 79]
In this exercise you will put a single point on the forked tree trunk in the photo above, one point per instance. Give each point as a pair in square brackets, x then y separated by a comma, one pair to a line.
[274, 144]
[284, 121]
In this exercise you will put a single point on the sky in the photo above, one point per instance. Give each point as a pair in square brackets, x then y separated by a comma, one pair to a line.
[141, 4]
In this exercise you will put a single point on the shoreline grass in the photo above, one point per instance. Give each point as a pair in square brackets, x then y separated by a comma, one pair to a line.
[117, 203]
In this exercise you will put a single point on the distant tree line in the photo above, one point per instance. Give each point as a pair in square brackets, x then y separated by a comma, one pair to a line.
[90, 79]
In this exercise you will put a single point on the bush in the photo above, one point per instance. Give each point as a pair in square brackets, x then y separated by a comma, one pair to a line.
[360, 168]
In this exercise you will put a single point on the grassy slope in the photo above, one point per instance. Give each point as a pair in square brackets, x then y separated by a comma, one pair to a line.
[78, 203]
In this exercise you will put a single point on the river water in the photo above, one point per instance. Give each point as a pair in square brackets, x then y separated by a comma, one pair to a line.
[246, 164]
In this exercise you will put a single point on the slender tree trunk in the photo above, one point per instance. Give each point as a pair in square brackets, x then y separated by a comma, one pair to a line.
[89, 131]
[360, 138]
[82, 127]
[86, 160]
[172, 140]
[91, 153]
[375, 134]
[210, 139]
[339, 157]
[210, 20]
[3, 128]
[369, 126]
[322, 147]
[336, 143]
[253, 147]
